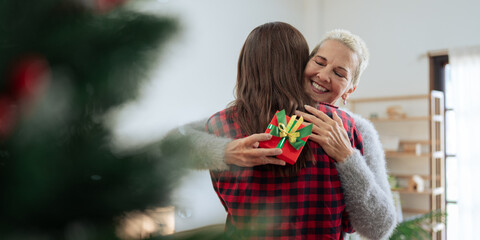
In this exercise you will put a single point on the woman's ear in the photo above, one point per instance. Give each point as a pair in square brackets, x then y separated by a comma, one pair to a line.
[348, 92]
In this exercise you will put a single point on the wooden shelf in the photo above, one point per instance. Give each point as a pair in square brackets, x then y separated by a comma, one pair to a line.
[394, 98]
[425, 177]
[435, 191]
[414, 211]
[393, 154]
[422, 142]
[407, 191]
[404, 119]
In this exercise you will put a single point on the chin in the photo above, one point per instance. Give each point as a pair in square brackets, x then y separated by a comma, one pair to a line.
[320, 99]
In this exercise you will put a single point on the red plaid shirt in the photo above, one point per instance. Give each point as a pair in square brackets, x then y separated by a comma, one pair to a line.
[262, 205]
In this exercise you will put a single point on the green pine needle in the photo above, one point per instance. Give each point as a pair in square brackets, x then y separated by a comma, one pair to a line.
[418, 227]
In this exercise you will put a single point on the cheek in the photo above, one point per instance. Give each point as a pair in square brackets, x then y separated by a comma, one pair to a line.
[340, 87]
[309, 69]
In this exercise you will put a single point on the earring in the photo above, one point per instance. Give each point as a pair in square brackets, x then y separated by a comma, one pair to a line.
[345, 101]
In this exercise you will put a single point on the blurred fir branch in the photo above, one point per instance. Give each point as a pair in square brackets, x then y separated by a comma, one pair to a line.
[59, 178]
[418, 227]
[109, 53]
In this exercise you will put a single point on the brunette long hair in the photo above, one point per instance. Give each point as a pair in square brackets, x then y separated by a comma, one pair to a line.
[270, 78]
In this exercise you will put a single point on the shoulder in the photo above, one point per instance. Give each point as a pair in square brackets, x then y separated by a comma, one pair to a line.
[216, 121]
[342, 113]
[222, 116]
[217, 117]
[223, 123]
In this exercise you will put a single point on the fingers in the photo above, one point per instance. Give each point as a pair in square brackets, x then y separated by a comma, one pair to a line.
[264, 161]
[310, 118]
[321, 140]
[318, 113]
[265, 152]
[318, 128]
[272, 160]
[245, 152]
[255, 138]
[257, 161]
[337, 119]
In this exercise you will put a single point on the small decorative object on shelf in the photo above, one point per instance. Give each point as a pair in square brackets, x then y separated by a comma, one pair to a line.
[414, 148]
[396, 112]
[416, 183]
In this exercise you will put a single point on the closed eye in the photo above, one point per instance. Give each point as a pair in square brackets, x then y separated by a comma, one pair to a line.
[321, 61]
[340, 75]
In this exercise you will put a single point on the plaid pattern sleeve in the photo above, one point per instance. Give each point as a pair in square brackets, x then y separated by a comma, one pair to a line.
[357, 142]
[262, 205]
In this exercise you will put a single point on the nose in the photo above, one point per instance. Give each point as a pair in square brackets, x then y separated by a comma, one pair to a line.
[323, 75]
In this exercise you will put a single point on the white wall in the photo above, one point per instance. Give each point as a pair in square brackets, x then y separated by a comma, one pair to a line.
[196, 77]
[399, 34]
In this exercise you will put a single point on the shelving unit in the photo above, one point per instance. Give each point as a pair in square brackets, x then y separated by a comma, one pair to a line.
[413, 137]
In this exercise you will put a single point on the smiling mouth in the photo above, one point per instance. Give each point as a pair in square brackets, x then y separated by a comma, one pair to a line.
[318, 87]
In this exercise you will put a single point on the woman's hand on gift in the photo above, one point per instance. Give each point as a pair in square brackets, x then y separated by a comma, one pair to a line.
[244, 152]
[329, 133]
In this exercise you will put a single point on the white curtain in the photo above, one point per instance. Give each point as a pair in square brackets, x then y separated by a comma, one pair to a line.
[465, 76]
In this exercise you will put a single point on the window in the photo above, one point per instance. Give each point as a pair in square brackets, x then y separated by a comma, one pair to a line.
[441, 81]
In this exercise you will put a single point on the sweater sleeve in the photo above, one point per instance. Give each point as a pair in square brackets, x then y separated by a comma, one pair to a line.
[206, 151]
[368, 197]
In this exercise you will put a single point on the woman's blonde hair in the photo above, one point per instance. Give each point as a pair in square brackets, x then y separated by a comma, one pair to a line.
[355, 43]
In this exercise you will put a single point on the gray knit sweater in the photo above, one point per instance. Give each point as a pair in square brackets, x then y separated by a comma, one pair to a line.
[367, 193]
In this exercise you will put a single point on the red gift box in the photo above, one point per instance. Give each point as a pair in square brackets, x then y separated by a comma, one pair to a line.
[290, 154]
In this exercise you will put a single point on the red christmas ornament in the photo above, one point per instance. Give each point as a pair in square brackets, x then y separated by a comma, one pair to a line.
[28, 76]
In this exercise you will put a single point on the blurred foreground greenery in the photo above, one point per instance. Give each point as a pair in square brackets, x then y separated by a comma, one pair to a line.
[64, 65]
[418, 227]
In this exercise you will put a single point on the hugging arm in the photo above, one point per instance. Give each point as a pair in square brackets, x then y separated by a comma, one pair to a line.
[368, 197]
[208, 151]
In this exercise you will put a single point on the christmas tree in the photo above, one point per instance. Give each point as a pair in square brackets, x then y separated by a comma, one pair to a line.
[64, 64]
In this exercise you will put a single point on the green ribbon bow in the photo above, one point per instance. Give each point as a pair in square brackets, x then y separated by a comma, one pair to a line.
[290, 131]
